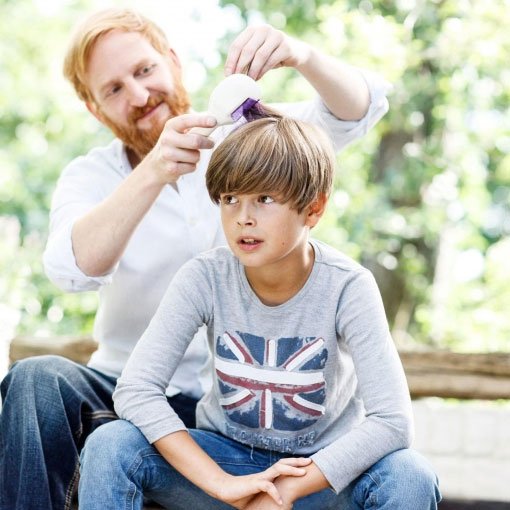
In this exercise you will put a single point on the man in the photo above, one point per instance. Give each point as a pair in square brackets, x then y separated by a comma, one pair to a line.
[125, 217]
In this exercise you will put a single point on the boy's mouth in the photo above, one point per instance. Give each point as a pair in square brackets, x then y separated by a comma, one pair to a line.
[248, 243]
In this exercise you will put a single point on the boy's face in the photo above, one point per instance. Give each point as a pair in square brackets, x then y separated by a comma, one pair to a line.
[262, 231]
[135, 88]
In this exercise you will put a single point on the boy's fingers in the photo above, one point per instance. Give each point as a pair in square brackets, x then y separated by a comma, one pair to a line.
[270, 489]
[285, 469]
[295, 461]
[291, 467]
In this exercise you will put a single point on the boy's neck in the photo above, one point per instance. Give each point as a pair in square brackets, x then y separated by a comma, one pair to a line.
[277, 283]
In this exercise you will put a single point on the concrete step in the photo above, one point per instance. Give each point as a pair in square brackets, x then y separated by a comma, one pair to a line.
[472, 505]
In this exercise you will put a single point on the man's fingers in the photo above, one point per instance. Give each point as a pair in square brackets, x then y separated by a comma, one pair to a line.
[262, 48]
[177, 135]
[182, 168]
[250, 50]
[234, 52]
[177, 151]
[180, 155]
[182, 123]
[270, 54]
[276, 60]
[186, 141]
[249, 55]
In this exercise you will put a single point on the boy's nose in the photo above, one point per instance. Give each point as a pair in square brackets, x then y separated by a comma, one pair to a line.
[245, 221]
[246, 217]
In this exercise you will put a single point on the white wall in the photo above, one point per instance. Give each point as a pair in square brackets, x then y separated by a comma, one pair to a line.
[468, 444]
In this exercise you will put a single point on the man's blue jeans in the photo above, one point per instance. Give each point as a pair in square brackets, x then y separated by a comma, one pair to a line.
[50, 406]
[119, 467]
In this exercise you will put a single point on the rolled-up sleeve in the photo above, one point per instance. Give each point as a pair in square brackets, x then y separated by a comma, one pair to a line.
[82, 185]
[60, 263]
[343, 132]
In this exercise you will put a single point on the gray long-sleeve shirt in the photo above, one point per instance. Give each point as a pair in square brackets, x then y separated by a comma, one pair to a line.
[317, 375]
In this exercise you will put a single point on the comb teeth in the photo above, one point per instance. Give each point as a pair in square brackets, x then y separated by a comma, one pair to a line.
[255, 112]
[245, 110]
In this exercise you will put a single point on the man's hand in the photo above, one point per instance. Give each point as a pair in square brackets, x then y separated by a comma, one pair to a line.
[239, 491]
[177, 151]
[258, 49]
[100, 236]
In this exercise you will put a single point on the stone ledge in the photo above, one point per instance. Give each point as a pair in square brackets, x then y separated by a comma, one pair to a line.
[76, 348]
[459, 504]
[429, 373]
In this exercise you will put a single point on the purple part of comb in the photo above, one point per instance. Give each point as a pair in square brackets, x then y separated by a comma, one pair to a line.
[245, 109]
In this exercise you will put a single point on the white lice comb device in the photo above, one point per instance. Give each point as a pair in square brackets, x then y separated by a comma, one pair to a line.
[230, 100]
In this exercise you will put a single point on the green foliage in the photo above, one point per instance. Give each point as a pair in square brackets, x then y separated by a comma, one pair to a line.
[423, 200]
[38, 135]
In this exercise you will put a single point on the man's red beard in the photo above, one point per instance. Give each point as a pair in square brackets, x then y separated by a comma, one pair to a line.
[141, 141]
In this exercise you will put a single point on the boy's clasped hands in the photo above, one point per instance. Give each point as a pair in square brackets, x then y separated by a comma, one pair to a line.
[263, 490]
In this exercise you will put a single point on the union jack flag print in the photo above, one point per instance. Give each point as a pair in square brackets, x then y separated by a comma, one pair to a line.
[271, 383]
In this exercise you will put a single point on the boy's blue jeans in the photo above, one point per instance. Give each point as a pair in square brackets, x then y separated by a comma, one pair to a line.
[50, 406]
[119, 467]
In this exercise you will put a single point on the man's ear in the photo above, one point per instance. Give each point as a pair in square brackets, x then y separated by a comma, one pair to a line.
[174, 59]
[315, 210]
[92, 108]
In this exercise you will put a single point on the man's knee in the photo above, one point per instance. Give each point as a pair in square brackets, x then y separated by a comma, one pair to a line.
[35, 374]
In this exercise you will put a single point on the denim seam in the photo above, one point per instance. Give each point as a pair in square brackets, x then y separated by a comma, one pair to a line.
[96, 415]
[78, 433]
[372, 500]
[230, 462]
[132, 489]
[373, 479]
[135, 465]
[68, 501]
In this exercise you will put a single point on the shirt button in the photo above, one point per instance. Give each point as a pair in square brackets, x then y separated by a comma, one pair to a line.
[193, 221]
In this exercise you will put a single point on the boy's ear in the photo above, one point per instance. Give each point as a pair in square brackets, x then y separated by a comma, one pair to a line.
[315, 210]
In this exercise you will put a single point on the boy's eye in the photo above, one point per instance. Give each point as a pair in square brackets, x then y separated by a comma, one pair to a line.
[266, 199]
[228, 199]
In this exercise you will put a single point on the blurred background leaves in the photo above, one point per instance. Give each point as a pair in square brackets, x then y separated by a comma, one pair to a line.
[423, 200]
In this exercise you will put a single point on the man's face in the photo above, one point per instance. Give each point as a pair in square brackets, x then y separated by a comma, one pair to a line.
[135, 88]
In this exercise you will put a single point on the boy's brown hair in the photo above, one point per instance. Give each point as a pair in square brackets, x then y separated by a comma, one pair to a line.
[289, 158]
[87, 34]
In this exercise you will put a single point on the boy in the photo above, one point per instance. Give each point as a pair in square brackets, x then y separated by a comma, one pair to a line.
[309, 394]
